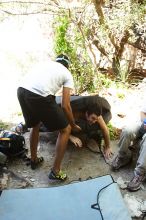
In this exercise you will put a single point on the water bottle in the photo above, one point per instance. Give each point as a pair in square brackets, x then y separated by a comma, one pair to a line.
[144, 123]
[142, 129]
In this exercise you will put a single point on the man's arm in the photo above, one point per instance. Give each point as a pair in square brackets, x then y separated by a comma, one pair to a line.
[142, 115]
[67, 108]
[105, 131]
[76, 141]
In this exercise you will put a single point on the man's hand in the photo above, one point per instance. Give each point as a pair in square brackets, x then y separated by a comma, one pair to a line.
[75, 128]
[108, 152]
[76, 141]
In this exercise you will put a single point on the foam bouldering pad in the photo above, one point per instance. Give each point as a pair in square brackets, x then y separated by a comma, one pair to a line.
[93, 199]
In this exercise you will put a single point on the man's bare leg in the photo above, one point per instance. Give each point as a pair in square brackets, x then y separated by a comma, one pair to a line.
[61, 146]
[34, 138]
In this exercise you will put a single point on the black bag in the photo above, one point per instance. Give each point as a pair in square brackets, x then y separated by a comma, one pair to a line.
[12, 144]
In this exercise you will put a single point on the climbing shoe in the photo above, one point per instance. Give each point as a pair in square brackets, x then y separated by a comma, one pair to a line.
[61, 176]
[37, 163]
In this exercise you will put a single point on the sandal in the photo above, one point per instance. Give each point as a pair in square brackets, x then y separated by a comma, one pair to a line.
[35, 164]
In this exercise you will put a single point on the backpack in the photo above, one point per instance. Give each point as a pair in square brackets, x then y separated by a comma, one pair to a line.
[12, 144]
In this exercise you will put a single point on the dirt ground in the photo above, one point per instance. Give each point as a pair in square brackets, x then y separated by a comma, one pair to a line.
[78, 163]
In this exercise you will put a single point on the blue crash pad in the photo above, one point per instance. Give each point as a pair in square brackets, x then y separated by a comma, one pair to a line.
[69, 202]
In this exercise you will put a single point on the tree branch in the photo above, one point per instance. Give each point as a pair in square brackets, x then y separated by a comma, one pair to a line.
[123, 41]
[31, 13]
[98, 7]
[31, 2]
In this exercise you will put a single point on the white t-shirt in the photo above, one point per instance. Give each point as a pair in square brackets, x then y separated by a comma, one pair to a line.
[47, 78]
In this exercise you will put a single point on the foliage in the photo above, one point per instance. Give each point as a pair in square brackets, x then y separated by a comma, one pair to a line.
[3, 125]
[105, 80]
[69, 41]
[93, 34]
[113, 132]
[121, 95]
[123, 73]
[61, 44]
[107, 34]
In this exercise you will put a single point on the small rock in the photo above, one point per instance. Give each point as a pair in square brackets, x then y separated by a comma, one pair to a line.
[22, 185]
[4, 181]
[3, 158]
[122, 184]
[143, 206]
[133, 205]
[25, 175]
[25, 171]
[142, 187]
[32, 180]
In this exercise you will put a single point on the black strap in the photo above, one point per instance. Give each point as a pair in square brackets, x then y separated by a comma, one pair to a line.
[0, 192]
[96, 205]
[143, 217]
[99, 152]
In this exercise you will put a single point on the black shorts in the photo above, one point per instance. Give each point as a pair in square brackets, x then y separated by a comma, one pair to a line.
[36, 109]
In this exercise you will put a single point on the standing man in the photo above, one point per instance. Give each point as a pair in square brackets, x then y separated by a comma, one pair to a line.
[36, 96]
